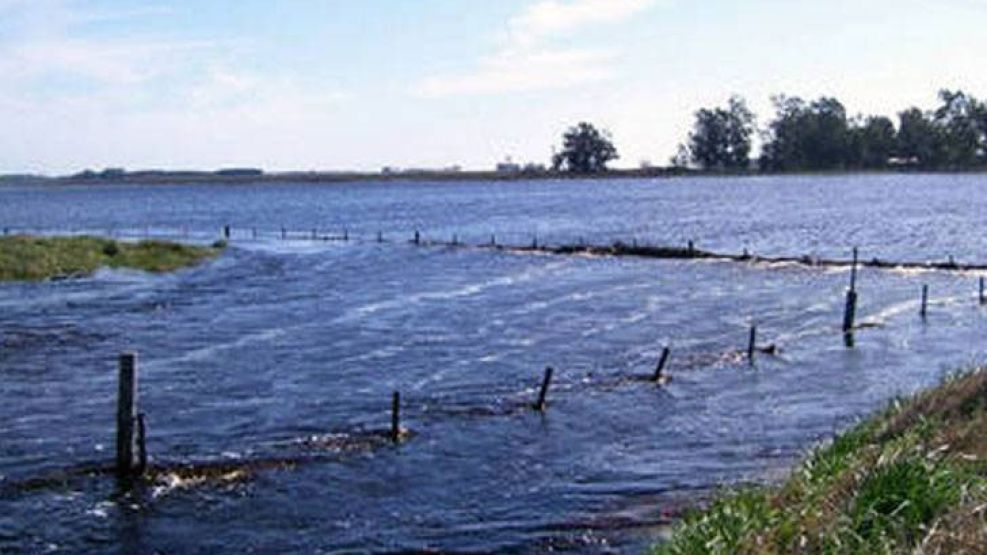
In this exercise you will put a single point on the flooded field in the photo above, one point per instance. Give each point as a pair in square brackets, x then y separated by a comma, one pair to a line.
[270, 370]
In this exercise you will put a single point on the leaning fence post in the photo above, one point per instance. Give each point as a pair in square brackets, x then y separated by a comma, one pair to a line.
[659, 371]
[543, 394]
[750, 344]
[126, 412]
[396, 417]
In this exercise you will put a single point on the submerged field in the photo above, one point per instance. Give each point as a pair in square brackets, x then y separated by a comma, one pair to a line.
[266, 376]
[33, 258]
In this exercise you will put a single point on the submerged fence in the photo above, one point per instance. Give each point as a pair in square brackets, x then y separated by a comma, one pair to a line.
[131, 432]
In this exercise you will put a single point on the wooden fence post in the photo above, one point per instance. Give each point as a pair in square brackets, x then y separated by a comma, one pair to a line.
[396, 417]
[850, 310]
[751, 343]
[543, 394]
[126, 413]
[659, 371]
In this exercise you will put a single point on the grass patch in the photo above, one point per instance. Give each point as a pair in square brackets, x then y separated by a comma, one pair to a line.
[912, 478]
[37, 258]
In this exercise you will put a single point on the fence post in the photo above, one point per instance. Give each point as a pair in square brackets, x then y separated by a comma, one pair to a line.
[925, 301]
[396, 417]
[750, 344]
[126, 412]
[850, 310]
[659, 371]
[543, 394]
[982, 300]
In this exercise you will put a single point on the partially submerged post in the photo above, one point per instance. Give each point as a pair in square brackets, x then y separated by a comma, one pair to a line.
[751, 344]
[659, 376]
[534, 242]
[455, 240]
[543, 394]
[692, 248]
[418, 238]
[982, 300]
[284, 233]
[380, 236]
[850, 310]
[126, 413]
[226, 231]
[396, 417]
[346, 234]
[925, 301]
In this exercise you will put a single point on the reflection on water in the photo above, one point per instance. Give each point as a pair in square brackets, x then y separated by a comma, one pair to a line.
[281, 350]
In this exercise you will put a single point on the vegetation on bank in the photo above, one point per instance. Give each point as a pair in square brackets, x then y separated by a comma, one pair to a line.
[910, 479]
[36, 258]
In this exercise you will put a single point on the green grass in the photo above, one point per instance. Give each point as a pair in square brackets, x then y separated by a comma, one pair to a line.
[37, 258]
[912, 478]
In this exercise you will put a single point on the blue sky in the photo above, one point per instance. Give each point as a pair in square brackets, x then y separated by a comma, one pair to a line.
[359, 84]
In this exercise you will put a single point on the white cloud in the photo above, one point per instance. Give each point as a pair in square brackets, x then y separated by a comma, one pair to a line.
[553, 17]
[528, 61]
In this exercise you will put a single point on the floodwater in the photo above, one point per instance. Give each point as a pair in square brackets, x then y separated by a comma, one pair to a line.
[279, 359]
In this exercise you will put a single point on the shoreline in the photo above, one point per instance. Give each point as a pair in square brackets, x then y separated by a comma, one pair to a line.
[296, 177]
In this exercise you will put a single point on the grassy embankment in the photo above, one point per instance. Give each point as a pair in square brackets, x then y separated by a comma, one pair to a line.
[911, 479]
[37, 258]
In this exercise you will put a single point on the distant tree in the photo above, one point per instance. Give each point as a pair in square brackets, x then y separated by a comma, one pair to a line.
[960, 137]
[806, 136]
[721, 137]
[681, 159]
[584, 150]
[872, 142]
[917, 138]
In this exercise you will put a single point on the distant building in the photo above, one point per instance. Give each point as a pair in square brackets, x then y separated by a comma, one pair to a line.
[508, 166]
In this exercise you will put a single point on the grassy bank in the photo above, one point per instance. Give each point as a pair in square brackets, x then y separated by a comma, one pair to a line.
[910, 479]
[37, 258]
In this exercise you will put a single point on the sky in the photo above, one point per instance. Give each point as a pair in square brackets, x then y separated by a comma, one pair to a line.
[361, 84]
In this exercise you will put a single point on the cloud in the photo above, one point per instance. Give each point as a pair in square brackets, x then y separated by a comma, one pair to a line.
[527, 59]
[552, 17]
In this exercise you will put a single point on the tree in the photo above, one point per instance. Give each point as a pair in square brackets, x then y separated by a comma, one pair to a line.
[917, 138]
[872, 142]
[721, 138]
[584, 150]
[960, 138]
[806, 136]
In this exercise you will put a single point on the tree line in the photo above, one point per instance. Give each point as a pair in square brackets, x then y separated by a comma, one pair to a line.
[815, 135]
